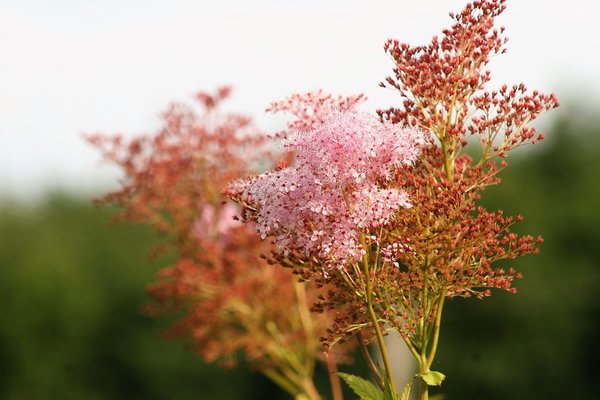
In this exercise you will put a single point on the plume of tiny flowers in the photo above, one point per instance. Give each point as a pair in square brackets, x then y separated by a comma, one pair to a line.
[328, 208]
[229, 300]
[337, 186]
[311, 108]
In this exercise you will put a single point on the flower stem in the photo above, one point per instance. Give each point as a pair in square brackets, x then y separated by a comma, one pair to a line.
[381, 343]
[369, 360]
[426, 359]
[436, 329]
[334, 379]
[307, 325]
[374, 319]
[423, 390]
[310, 390]
[281, 381]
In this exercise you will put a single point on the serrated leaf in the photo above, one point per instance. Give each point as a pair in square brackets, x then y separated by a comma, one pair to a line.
[433, 378]
[389, 393]
[362, 387]
[406, 391]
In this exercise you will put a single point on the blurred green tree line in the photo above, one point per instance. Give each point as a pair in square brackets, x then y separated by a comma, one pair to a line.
[72, 287]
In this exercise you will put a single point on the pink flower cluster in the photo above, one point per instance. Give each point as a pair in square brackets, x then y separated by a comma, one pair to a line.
[338, 186]
[216, 222]
[312, 108]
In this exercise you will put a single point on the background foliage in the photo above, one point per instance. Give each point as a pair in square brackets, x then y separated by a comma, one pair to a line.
[72, 287]
[542, 342]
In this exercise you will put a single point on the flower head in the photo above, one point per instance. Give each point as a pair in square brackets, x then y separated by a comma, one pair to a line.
[312, 108]
[338, 185]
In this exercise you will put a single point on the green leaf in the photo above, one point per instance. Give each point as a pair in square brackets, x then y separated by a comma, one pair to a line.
[406, 392]
[439, 396]
[432, 378]
[362, 387]
[389, 393]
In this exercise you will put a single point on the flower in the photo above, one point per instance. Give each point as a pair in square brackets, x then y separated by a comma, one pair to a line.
[338, 186]
[311, 108]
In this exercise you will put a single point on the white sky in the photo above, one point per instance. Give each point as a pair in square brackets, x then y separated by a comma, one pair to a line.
[73, 66]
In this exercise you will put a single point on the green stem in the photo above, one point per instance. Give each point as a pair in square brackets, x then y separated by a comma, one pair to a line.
[299, 388]
[310, 390]
[423, 387]
[375, 320]
[436, 328]
[426, 360]
[281, 381]
[411, 347]
[307, 325]
[447, 161]
[367, 357]
[381, 343]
